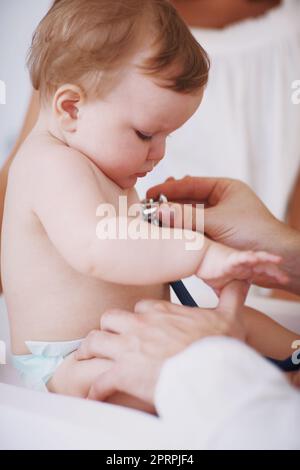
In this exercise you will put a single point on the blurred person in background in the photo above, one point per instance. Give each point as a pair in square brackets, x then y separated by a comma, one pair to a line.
[248, 126]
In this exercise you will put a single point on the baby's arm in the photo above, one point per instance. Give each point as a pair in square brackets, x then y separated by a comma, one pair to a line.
[65, 196]
[266, 336]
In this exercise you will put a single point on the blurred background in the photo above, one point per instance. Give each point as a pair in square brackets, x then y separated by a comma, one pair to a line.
[18, 19]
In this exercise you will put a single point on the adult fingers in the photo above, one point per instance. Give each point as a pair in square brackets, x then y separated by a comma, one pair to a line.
[105, 385]
[119, 321]
[171, 178]
[188, 188]
[100, 344]
[131, 379]
[152, 306]
[185, 216]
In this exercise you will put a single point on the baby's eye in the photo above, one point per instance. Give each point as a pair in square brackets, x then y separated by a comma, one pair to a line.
[142, 136]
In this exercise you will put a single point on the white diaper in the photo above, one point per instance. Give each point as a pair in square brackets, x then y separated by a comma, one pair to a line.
[38, 367]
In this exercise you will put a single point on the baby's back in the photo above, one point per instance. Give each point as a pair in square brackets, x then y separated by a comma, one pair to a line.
[47, 299]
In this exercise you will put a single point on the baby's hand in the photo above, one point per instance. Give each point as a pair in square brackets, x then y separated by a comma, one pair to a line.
[222, 265]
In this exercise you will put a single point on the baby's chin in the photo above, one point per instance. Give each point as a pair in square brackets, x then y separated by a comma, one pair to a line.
[124, 183]
[127, 183]
[132, 180]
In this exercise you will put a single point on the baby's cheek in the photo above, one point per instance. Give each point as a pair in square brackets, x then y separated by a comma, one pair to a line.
[129, 164]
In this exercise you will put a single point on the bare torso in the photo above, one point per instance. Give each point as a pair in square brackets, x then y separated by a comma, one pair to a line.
[47, 299]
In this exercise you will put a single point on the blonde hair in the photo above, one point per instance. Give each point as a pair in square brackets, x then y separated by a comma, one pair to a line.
[80, 38]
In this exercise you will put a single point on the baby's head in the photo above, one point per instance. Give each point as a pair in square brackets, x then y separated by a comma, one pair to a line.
[117, 76]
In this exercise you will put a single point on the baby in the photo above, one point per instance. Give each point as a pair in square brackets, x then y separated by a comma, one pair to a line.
[116, 78]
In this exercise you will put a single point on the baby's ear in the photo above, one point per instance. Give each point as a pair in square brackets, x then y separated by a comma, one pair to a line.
[66, 103]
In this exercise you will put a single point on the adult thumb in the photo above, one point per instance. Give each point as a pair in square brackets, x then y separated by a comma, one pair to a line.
[232, 298]
[184, 216]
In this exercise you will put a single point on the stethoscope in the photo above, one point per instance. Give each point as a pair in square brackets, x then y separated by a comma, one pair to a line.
[185, 298]
[149, 212]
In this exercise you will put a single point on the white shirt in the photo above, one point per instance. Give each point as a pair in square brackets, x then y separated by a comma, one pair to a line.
[220, 394]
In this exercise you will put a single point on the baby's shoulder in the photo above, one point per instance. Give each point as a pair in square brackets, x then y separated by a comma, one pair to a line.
[40, 155]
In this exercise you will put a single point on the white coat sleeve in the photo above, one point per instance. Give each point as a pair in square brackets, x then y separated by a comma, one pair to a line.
[221, 394]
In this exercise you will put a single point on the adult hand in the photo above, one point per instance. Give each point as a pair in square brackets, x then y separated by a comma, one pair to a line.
[139, 343]
[236, 217]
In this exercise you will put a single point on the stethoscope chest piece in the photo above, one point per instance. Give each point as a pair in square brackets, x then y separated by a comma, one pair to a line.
[150, 209]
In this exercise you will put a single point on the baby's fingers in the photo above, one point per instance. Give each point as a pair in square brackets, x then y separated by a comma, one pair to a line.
[272, 271]
[245, 265]
[252, 258]
[263, 256]
[267, 263]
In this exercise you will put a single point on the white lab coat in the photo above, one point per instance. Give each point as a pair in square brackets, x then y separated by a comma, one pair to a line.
[221, 394]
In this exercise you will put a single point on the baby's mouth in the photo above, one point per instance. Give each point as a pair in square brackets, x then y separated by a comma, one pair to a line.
[141, 174]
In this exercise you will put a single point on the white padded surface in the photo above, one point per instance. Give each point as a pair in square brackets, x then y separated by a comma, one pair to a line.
[34, 420]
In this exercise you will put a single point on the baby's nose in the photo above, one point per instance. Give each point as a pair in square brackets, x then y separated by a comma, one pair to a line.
[157, 151]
